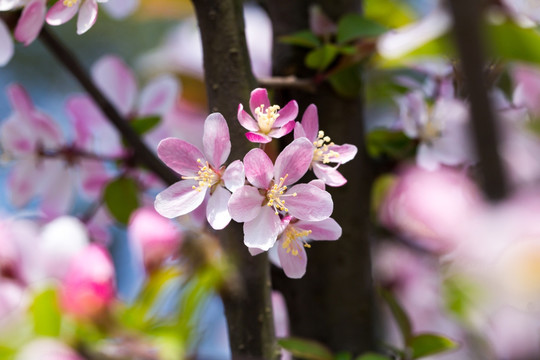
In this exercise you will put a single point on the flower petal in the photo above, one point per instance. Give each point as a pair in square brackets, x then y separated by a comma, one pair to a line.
[158, 96]
[427, 158]
[246, 120]
[327, 229]
[245, 204]
[310, 122]
[30, 22]
[258, 138]
[217, 213]
[329, 175]
[318, 183]
[60, 14]
[87, 16]
[6, 44]
[216, 141]
[179, 199]
[93, 177]
[258, 97]
[180, 156]
[255, 251]
[310, 203]
[346, 152]
[259, 168]
[287, 114]
[17, 137]
[116, 80]
[21, 182]
[293, 266]
[413, 111]
[262, 231]
[58, 194]
[234, 176]
[282, 131]
[294, 161]
[20, 100]
[299, 131]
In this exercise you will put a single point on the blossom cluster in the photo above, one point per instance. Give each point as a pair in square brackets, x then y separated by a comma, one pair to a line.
[277, 212]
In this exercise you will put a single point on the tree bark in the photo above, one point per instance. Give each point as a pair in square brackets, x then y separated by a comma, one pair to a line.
[229, 81]
[333, 303]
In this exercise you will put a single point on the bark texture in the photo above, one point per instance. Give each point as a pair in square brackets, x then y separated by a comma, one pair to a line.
[229, 81]
[333, 303]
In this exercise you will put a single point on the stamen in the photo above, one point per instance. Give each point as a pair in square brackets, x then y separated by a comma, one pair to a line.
[294, 239]
[206, 176]
[275, 195]
[266, 119]
[322, 153]
[70, 3]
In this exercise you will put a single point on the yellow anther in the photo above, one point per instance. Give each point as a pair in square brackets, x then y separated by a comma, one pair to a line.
[294, 239]
[322, 152]
[206, 176]
[70, 3]
[266, 118]
[275, 195]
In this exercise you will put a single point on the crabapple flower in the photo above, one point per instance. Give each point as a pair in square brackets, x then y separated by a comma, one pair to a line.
[65, 10]
[442, 130]
[269, 121]
[6, 44]
[324, 151]
[201, 174]
[259, 205]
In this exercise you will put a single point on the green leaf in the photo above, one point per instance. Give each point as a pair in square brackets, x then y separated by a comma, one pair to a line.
[390, 13]
[395, 144]
[511, 42]
[121, 198]
[401, 317]
[372, 356]
[347, 82]
[145, 124]
[343, 356]
[321, 57]
[305, 349]
[380, 188]
[302, 38]
[429, 344]
[46, 313]
[354, 26]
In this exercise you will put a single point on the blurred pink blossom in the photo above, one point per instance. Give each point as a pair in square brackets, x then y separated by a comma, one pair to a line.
[64, 10]
[47, 349]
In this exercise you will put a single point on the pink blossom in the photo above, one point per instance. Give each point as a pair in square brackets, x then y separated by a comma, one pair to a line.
[47, 349]
[324, 151]
[269, 121]
[89, 285]
[6, 44]
[154, 237]
[201, 174]
[65, 10]
[259, 205]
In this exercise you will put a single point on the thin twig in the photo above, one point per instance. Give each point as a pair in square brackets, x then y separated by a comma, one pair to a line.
[289, 82]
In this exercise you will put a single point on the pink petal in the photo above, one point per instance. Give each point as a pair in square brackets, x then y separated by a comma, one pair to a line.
[346, 153]
[58, 193]
[19, 99]
[217, 213]
[299, 131]
[234, 176]
[294, 161]
[310, 122]
[255, 251]
[245, 204]
[158, 96]
[246, 120]
[87, 16]
[180, 156]
[262, 231]
[116, 80]
[293, 266]
[258, 138]
[6, 44]
[258, 167]
[282, 131]
[93, 177]
[329, 175]
[179, 199]
[287, 113]
[426, 158]
[60, 14]
[327, 229]
[216, 141]
[310, 203]
[318, 183]
[17, 137]
[30, 22]
[120, 9]
[21, 184]
[258, 97]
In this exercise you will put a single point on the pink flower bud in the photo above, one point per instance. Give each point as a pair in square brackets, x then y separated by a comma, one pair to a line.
[155, 237]
[89, 285]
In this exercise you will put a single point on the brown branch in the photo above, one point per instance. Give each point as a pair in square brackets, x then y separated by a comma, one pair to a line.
[467, 16]
[288, 82]
[141, 152]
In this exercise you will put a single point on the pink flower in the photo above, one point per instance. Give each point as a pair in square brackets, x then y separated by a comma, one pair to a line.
[47, 349]
[201, 174]
[324, 151]
[31, 21]
[89, 286]
[259, 206]
[64, 10]
[153, 236]
[269, 122]
[6, 44]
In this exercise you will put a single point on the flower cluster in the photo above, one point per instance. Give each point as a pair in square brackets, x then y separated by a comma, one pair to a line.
[276, 210]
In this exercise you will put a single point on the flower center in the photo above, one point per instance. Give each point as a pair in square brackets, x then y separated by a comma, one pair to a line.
[322, 153]
[206, 176]
[430, 131]
[294, 239]
[266, 118]
[70, 3]
[276, 194]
